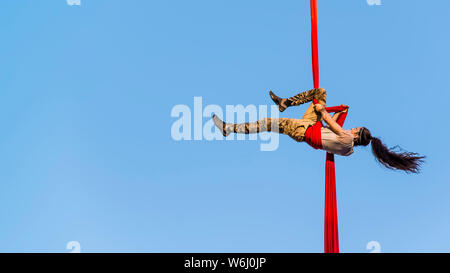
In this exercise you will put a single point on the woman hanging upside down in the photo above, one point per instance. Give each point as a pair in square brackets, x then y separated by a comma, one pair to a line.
[332, 138]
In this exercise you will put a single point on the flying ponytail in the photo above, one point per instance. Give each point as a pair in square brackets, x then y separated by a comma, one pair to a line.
[405, 161]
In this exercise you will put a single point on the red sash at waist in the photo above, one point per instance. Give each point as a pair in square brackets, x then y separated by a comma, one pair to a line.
[313, 136]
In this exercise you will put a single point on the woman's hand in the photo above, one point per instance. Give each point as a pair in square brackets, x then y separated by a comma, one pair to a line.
[319, 107]
[346, 108]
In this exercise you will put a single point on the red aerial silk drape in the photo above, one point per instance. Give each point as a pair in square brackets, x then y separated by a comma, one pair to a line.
[331, 221]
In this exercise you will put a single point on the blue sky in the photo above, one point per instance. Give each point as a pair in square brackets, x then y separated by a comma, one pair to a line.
[87, 155]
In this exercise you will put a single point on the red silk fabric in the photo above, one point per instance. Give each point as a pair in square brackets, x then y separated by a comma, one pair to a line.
[313, 136]
[331, 218]
[331, 238]
[314, 43]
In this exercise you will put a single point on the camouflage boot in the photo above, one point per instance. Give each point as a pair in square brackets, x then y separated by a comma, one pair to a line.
[282, 103]
[224, 128]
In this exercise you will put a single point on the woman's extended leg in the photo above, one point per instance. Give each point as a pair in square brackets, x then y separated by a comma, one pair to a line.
[295, 128]
[319, 94]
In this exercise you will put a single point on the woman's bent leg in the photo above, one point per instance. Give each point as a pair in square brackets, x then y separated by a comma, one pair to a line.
[319, 94]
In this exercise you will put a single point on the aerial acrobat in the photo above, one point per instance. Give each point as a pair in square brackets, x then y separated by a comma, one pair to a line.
[332, 138]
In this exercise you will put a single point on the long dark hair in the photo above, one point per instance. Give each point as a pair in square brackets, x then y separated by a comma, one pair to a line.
[401, 160]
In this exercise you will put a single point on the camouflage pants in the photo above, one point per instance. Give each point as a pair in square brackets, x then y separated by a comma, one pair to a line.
[319, 94]
[295, 128]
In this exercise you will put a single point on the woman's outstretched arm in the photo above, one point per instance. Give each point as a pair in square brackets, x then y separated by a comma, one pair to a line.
[329, 120]
[336, 115]
[339, 113]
